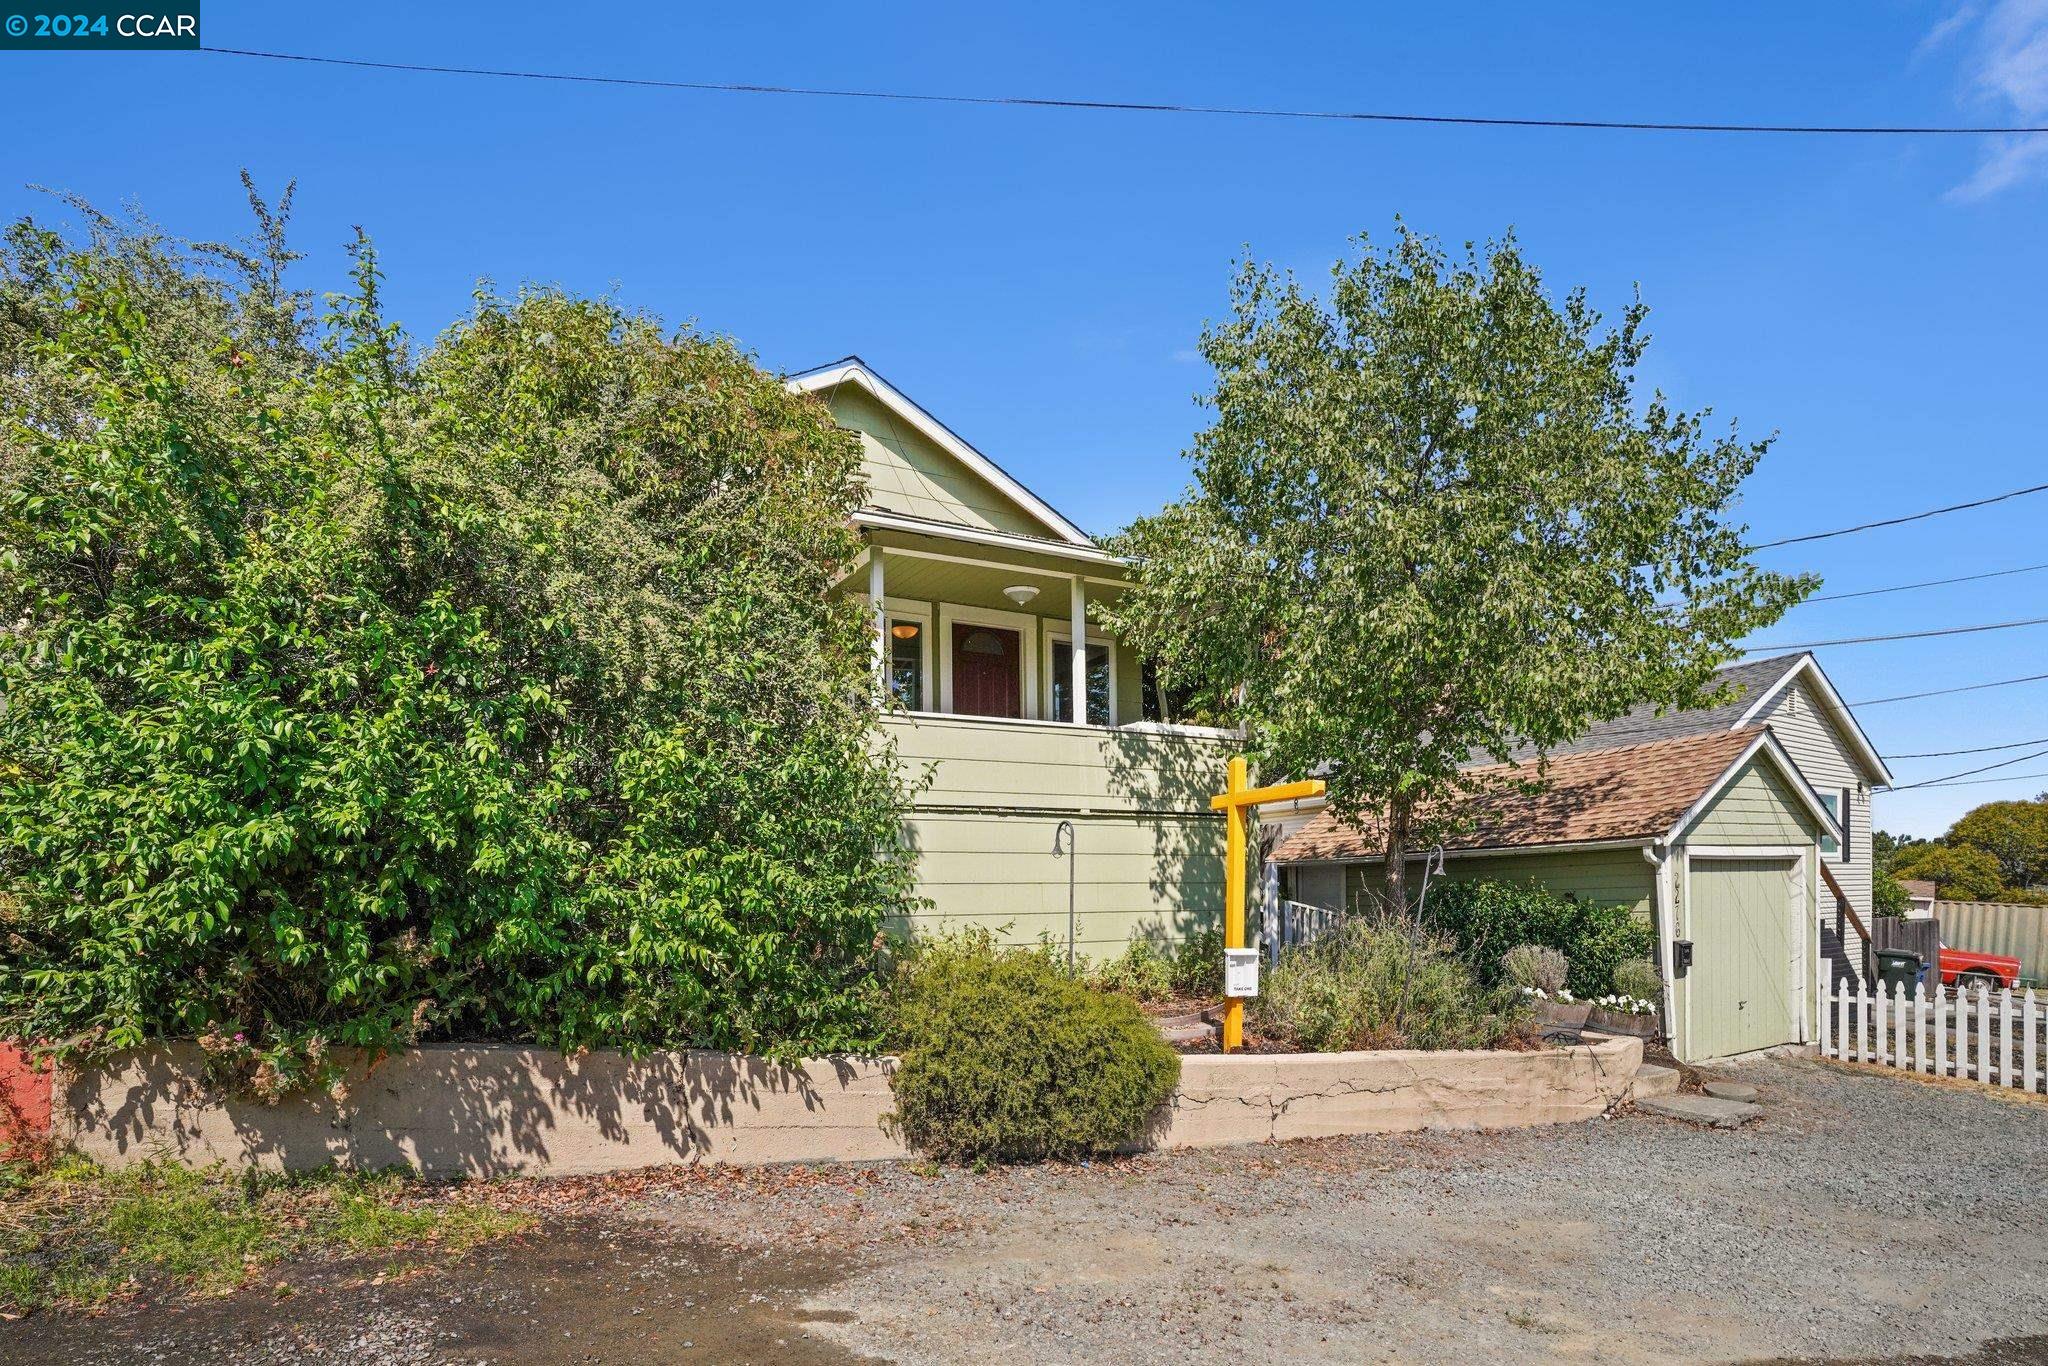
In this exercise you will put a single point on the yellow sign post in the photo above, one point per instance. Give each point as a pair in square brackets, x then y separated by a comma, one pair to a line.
[1236, 802]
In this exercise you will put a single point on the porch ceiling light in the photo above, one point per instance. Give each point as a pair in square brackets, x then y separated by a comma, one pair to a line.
[1020, 593]
[904, 630]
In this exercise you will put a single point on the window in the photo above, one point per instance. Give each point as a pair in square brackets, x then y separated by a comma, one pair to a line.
[1098, 682]
[1834, 805]
[906, 662]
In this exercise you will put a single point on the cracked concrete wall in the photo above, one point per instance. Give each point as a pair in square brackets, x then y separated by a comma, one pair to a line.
[489, 1110]
[1252, 1097]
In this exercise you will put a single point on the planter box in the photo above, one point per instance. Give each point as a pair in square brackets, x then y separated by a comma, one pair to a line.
[1615, 1022]
[1558, 1015]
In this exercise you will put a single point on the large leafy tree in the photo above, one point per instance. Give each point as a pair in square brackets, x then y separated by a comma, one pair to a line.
[2014, 833]
[1435, 519]
[1959, 872]
[358, 695]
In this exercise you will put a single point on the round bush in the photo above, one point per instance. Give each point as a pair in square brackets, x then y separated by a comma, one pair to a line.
[1005, 1058]
[1638, 977]
[1533, 965]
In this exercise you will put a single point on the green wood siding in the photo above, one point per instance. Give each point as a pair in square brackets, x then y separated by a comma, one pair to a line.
[1610, 876]
[908, 474]
[1150, 858]
[1756, 808]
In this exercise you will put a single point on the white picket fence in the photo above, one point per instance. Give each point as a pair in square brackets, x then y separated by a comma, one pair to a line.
[1289, 923]
[1984, 1035]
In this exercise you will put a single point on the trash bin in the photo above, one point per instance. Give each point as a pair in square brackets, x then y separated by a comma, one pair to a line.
[1898, 969]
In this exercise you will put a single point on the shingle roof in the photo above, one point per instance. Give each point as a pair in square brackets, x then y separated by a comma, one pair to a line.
[1621, 792]
[1746, 682]
[1919, 887]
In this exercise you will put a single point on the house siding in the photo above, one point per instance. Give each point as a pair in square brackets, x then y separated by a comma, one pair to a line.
[1797, 718]
[1755, 808]
[908, 474]
[1150, 852]
[1610, 876]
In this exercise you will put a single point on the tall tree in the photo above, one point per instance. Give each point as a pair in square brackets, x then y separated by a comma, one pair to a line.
[2014, 833]
[1434, 519]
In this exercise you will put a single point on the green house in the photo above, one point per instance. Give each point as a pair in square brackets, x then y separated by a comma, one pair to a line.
[979, 591]
[1715, 837]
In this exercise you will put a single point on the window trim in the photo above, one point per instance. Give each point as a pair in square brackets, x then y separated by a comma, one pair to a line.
[911, 609]
[1058, 632]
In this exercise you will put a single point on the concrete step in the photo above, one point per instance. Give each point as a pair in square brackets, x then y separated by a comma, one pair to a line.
[1706, 1110]
[1730, 1090]
[1198, 1032]
[1653, 1081]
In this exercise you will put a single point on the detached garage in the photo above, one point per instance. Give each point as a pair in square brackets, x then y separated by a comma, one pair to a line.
[1714, 838]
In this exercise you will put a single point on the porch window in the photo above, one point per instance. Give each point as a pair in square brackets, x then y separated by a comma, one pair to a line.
[906, 662]
[1098, 682]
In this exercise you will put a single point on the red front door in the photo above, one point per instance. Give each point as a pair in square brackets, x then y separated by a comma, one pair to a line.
[987, 670]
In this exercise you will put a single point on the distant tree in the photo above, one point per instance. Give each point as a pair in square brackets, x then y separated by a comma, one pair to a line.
[1886, 847]
[1959, 872]
[1435, 518]
[2014, 833]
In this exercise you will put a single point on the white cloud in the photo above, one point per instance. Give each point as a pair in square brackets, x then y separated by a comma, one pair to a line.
[2007, 71]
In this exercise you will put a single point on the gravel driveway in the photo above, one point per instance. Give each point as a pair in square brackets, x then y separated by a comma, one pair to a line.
[1865, 1216]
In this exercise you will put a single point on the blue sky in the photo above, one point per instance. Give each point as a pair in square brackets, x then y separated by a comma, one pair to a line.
[1038, 278]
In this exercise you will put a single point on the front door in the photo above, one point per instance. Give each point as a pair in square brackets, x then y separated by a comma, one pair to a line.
[988, 664]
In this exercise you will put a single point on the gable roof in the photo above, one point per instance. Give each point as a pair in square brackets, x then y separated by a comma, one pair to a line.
[1626, 794]
[854, 370]
[1751, 685]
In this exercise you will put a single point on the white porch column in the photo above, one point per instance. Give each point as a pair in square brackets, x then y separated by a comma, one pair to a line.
[875, 592]
[1077, 684]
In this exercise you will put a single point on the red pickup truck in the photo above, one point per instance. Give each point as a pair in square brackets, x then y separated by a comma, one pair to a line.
[1968, 970]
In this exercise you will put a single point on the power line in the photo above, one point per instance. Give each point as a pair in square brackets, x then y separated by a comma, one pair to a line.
[1981, 749]
[1944, 692]
[1900, 635]
[1928, 583]
[1139, 107]
[1979, 782]
[1900, 521]
[1964, 773]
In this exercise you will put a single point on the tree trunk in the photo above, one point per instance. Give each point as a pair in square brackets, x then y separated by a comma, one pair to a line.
[1400, 818]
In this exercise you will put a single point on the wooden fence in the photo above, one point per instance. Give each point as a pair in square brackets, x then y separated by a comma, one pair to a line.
[1915, 936]
[1992, 1037]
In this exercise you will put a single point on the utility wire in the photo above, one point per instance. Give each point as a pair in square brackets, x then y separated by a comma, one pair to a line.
[1138, 107]
[1951, 777]
[1928, 583]
[1944, 692]
[1979, 782]
[1981, 749]
[1899, 635]
[1900, 521]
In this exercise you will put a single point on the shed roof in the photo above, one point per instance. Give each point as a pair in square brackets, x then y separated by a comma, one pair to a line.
[1617, 794]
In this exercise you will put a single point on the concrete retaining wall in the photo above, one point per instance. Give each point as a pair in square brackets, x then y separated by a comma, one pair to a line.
[483, 1110]
[1251, 1097]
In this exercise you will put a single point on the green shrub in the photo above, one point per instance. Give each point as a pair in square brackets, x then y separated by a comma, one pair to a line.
[1534, 966]
[1487, 917]
[1888, 897]
[1004, 1057]
[1380, 982]
[1149, 972]
[363, 694]
[1638, 977]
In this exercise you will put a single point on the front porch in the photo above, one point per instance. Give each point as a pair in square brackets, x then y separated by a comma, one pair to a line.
[973, 638]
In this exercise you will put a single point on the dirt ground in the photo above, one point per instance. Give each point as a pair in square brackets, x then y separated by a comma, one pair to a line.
[1866, 1217]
